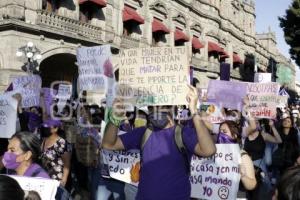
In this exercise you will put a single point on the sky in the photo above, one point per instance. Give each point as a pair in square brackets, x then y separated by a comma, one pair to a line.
[267, 12]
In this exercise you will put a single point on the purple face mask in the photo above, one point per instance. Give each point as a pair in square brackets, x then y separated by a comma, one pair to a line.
[225, 139]
[9, 160]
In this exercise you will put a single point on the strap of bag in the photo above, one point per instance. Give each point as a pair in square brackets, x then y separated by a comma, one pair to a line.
[146, 136]
[181, 147]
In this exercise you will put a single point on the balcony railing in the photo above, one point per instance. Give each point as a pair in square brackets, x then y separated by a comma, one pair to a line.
[129, 42]
[69, 26]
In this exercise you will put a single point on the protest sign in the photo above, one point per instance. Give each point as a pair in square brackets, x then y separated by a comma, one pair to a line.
[283, 101]
[8, 116]
[213, 113]
[154, 76]
[226, 94]
[123, 165]
[263, 99]
[45, 187]
[64, 91]
[263, 77]
[49, 95]
[216, 177]
[94, 67]
[29, 86]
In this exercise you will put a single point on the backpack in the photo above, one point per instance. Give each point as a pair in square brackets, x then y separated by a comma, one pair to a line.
[178, 141]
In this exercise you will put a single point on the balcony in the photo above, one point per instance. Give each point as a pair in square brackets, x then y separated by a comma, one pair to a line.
[235, 74]
[206, 65]
[69, 26]
[129, 42]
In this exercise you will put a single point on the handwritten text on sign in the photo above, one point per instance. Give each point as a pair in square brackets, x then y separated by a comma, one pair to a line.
[123, 165]
[154, 76]
[29, 87]
[45, 187]
[263, 99]
[226, 94]
[94, 67]
[216, 177]
[8, 116]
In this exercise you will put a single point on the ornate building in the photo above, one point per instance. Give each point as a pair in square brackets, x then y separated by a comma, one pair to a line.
[215, 31]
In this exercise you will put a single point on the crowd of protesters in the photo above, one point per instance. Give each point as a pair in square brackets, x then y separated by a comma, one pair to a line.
[51, 148]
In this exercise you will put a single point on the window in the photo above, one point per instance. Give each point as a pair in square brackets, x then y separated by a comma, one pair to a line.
[50, 5]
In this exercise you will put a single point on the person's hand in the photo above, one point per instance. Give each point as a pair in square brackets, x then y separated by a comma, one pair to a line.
[18, 97]
[118, 108]
[192, 99]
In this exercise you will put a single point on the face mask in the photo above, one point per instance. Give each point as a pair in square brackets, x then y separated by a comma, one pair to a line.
[225, 139]
[159, 120]
[45, 132]
[9, 160]
[139, 122]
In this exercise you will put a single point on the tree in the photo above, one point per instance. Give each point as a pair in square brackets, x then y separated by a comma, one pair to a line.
[290, 23]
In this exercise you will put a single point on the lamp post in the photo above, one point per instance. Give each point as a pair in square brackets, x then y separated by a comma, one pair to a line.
[29, 54]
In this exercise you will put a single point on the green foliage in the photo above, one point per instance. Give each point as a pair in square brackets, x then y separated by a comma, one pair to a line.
[290, 23]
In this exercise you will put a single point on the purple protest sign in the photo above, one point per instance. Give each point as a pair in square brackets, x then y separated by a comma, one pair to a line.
[49, 95]
[227, 94]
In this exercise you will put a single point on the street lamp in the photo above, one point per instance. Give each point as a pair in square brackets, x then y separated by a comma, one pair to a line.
[30, 54]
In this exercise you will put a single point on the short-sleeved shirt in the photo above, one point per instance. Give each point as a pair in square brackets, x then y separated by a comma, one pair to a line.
[163, 170]
[35, 170]
[52, 158]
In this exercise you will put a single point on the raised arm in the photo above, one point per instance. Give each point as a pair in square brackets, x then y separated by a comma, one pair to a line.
[270, 138]
[205, 146]
[111, 140]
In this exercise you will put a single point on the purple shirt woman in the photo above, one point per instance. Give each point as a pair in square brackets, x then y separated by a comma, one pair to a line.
[22, 156]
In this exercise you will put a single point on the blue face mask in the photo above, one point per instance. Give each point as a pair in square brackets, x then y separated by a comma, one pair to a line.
[225, 139]
[159, 120]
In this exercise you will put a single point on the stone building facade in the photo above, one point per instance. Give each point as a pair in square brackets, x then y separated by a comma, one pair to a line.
[215, 31]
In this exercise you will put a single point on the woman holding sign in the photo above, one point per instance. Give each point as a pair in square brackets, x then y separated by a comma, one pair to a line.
[229, 134]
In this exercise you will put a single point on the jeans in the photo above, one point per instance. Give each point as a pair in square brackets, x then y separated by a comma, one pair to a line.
[260, 163]
[94, 176]
[130, 191]
[108, 187]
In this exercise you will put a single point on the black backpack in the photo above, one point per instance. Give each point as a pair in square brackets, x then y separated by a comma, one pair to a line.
[178, 141]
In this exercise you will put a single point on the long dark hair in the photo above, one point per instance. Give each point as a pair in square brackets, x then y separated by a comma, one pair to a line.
[234, 129]
[10, 189]
[289, 185]
[29, 142]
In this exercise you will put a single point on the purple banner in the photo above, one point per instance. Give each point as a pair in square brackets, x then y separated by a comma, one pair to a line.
[225, 72]
[49, 95]
[227, 94]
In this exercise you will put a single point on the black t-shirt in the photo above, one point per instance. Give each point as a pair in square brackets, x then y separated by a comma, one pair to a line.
[255, 148]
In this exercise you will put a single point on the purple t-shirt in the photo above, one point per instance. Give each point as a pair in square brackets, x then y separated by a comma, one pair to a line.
[35, 170]
[163, 169]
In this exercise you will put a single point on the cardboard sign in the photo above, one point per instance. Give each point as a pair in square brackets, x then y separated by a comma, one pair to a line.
[216, 177]
[29, 87]
[226, 94]
[263, 77]
[8, 116]
[263, 99]
[94, 67]
[45, 187]
[123, 165]
[49, 95]
[154, 76]
[213, 113]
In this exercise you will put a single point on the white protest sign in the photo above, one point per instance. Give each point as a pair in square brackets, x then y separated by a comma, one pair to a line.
[8, 116]
[94, 67]
[263, 77]
[216, 177]
[45, 187]
[154, 76]
[64, 91]
[123, 165]
[263, 99]
[29, 87]
[283, 101]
